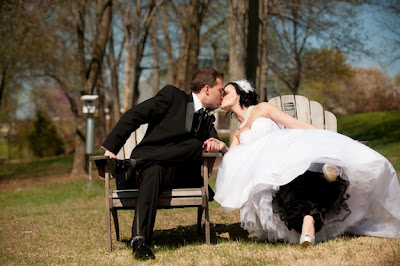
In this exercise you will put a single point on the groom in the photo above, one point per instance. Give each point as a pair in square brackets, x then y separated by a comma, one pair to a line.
[170, 153]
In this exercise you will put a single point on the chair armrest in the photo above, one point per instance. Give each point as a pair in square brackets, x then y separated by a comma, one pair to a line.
[365, 142]
[212, 154]
[101, 162]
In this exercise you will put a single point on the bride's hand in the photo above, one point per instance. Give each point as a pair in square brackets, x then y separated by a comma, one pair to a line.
[214, 145]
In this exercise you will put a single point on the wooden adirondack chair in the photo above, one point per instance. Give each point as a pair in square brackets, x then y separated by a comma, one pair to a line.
[309, 111]
[123, 199]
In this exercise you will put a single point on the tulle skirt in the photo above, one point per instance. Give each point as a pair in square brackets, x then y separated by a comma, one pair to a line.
[251, 175]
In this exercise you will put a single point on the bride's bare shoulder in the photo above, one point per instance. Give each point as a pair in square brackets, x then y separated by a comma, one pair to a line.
[263, 105]
[262, 109]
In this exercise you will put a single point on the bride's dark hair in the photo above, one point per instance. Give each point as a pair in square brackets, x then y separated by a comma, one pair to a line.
[246, 98]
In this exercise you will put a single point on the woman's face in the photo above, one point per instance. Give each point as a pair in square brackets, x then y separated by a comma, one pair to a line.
[230, 98]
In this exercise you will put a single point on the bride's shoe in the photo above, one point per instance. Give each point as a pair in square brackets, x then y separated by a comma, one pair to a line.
[306, 240]
[331, 172]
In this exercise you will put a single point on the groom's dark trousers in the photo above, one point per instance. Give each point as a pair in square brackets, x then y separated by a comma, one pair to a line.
[169, 154]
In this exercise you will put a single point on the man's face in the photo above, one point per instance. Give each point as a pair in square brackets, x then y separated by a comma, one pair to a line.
[215, 94]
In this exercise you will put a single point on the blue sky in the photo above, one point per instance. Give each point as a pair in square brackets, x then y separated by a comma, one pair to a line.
[379, 41]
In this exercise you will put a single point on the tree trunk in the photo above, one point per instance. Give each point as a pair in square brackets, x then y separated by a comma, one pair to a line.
[237, 44]
[262, 69]
[156, 68]
[100, 41]
[171, 69]
[113, 63]
[181, 67]
[135, 52]
[252, 41]
[128, 68]
[100, 133]
[237, 39]
[99, 46]
[3, 82]
[190, 43]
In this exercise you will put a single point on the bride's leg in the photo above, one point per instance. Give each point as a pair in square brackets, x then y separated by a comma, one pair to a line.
[308, 226]
[308, 231]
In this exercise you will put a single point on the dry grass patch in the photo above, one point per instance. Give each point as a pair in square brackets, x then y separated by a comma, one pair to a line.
[63, 224]
[74, 233]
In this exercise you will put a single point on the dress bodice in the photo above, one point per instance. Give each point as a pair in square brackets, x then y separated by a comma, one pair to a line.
[260, 127]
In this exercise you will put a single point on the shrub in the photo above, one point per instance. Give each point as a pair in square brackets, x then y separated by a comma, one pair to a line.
[43, 139]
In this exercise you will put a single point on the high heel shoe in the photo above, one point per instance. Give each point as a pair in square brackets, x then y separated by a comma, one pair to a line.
[306, 240]
[330, 172]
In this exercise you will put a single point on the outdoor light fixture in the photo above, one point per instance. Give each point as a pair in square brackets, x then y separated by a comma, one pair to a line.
[89, 103]
[89, 107]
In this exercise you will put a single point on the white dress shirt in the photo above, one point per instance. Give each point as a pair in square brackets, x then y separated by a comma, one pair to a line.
[196, 103]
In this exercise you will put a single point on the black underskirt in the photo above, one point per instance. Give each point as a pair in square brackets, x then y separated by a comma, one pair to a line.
[311, 194]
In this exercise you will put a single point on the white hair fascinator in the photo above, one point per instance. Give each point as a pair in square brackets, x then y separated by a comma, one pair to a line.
[245, 85]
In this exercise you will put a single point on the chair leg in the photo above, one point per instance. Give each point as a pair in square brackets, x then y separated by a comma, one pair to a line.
[207, 224]
[116, 224]
[109, 237]
[199, 217]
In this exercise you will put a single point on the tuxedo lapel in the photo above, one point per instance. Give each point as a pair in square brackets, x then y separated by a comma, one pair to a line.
[189, 114]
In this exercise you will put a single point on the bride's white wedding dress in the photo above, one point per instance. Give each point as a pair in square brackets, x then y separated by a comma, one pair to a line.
[250, 175]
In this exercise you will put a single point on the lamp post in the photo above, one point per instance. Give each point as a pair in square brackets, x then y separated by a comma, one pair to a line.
[89, 108]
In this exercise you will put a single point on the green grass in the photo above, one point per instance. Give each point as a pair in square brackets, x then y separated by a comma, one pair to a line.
[55, 193]
[58, 221]
[38, 168]
[12, 152]
[380, 129]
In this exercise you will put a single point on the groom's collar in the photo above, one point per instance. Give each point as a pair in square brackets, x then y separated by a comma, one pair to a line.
[197, 103]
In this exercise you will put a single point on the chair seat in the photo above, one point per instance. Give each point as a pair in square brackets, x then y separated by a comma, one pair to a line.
[169, 198]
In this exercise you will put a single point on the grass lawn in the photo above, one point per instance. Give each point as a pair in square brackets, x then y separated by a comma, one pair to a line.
[49, 218]
[381, 129]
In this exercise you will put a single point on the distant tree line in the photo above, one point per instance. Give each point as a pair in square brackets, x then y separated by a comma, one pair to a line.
[52, 52]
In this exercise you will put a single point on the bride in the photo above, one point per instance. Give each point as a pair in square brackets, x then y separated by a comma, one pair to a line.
[302, 182]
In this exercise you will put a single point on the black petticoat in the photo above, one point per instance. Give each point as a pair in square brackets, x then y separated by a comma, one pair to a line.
[311, 194]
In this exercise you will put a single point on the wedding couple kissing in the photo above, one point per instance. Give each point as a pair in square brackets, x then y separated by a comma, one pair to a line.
[298, 185]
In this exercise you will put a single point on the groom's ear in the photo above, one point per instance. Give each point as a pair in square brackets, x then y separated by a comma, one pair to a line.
[206, 89]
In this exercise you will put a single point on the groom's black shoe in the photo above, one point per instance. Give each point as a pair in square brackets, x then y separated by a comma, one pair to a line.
[141, 250]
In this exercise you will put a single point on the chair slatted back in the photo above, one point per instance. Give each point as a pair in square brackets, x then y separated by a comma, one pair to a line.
[309, 111]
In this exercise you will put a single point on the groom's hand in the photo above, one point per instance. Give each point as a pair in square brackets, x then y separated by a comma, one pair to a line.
[110, 154]
[214, 145]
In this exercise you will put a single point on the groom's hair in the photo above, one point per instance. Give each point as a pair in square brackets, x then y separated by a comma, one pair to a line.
[203, 77]
[246, 98]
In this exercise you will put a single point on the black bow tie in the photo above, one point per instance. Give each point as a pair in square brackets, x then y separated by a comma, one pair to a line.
[204, 111]
[197, 119]
[199, 115]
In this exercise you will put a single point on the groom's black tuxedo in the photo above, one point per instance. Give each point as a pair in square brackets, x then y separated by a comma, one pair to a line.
[171, 148]
[169, 115]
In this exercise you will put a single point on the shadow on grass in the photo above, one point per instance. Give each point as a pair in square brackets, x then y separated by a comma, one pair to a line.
[176, 238]
[187, 235]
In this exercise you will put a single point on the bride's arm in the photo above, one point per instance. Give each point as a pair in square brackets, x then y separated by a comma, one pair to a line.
[235, 140]
[271, 111]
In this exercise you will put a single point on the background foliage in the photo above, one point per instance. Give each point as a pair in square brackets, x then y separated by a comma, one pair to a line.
[53, 52]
